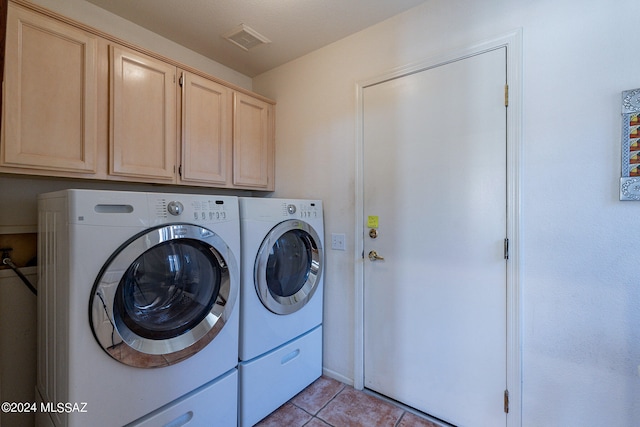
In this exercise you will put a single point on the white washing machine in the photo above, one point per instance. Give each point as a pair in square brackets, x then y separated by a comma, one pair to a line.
[138, 309]
[281, 297]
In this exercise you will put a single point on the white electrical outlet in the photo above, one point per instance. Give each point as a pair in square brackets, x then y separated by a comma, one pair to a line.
[337, 241]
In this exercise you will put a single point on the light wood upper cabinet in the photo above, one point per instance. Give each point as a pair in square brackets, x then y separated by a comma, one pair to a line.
[50, 96]
[227, 136]
[253, 143]
[206, 131]
[143, 110]
[81, 103]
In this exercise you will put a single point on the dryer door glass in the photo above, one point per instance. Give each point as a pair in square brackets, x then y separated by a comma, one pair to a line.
[169, 289]
[288, 267]
[289, 263]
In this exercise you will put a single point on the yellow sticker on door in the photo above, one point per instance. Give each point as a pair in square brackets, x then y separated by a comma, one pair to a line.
[372, 221]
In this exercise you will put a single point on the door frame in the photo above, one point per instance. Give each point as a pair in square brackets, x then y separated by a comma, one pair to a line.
[513, 43]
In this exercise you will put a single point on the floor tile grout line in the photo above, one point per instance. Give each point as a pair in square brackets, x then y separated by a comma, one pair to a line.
[399, 420]
[408, 409]
[342, 389]
[324, 406]
[343, 386]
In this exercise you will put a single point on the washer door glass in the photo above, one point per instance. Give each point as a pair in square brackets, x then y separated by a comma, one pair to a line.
[164, 295]
[168, 290]
[288, 267]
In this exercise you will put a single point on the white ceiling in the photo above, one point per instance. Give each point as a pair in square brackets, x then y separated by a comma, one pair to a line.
[295, 27]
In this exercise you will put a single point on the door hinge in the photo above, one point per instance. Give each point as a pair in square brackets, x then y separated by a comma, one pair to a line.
[506, 95]
[506, 401]
[506, 248]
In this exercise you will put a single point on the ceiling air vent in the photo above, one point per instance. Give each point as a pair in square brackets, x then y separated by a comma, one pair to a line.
[245, 37]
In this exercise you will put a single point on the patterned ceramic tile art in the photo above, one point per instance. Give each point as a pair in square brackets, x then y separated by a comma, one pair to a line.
[630, 180]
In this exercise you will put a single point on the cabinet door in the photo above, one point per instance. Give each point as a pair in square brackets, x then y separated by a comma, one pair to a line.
[206, 131]
[143, 116]
[253, 148]
[50, 114]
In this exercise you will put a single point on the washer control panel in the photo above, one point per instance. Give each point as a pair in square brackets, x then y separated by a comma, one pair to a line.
[207, 210]
[192, 209]
[302, 210]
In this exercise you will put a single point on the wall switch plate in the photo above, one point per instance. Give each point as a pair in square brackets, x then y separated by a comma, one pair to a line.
[337, 241]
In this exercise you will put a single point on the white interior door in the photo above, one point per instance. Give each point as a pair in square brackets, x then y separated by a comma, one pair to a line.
[435, 192]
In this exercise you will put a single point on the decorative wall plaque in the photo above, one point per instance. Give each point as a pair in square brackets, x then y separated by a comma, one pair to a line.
[630, 180]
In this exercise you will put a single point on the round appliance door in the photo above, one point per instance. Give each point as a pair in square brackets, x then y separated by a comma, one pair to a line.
[288, 267]
[164, 295]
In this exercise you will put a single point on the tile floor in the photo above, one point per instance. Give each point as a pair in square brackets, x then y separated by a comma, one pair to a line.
[330, 403]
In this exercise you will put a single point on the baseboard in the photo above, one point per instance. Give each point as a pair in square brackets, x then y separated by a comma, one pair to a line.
[336, 376]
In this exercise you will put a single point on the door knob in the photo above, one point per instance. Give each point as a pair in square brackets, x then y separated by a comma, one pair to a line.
[373, 256]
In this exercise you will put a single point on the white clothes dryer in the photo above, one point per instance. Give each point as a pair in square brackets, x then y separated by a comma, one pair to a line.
[138, 308]
[281, 301]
